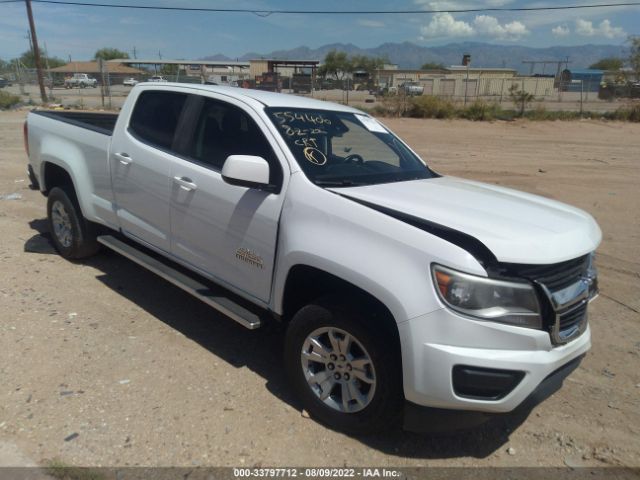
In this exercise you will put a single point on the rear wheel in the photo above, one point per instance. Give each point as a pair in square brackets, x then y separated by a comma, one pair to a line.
[72, 235]
[344, 368]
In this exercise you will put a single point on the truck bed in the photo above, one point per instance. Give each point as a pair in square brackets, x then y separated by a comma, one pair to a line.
[97, 121]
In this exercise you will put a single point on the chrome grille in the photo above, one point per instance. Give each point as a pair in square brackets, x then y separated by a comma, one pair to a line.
[572, 322]
[555, 276]
[567, 288]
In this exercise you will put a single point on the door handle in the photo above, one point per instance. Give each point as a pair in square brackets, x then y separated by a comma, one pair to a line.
[124, 158]
[185, 183]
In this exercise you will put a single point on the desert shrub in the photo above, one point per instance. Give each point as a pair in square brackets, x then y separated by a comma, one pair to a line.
[520, 98]
[376, 110]
[8, 100]
[626, 114]
[538, 113]
[426, 106]
[541, 113]
[397, 105]
[481, 110]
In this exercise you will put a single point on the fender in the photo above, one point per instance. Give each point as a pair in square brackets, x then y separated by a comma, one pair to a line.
[385, 257]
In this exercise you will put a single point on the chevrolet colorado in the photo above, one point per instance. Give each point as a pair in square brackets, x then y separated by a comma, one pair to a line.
[403, 291]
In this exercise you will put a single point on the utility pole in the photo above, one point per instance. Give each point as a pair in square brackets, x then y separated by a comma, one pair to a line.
[466, 61]
[36, 51]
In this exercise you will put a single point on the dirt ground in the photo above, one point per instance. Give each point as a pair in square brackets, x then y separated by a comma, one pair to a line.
[104, 364]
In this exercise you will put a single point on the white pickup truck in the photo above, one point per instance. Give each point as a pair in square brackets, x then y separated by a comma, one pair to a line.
[81, 80]
[403, 291]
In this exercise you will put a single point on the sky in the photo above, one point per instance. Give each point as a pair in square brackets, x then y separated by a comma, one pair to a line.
[78, 31]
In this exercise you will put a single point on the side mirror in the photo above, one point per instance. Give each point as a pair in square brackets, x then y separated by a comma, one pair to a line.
[247, 171]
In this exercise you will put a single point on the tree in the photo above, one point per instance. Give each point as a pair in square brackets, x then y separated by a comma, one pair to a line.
[28, 60]
[634, 55]
[110, 54]
[432, 66]
[520, 98]
[336, 64]
[367, 64]
[610, 63]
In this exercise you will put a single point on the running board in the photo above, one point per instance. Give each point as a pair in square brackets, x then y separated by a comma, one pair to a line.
[219, 300]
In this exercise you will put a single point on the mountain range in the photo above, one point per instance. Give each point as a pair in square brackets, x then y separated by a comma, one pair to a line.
[409, 55]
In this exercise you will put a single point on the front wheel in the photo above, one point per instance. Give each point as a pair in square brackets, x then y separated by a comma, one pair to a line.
[344, 367]
[72, 235]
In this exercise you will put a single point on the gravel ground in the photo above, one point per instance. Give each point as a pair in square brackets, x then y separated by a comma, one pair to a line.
[102, 363]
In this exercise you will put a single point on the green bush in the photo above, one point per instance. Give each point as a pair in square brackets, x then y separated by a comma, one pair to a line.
[481, 110]
[7, 100]
[426, 106]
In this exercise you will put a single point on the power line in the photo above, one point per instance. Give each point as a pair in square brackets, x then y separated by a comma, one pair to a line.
[330, 12]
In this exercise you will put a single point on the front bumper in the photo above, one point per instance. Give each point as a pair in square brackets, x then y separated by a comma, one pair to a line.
[433, 344]
[426, 419]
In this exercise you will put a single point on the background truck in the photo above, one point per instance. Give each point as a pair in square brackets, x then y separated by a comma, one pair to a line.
[412, 88]
[81, 80]
[403, 292]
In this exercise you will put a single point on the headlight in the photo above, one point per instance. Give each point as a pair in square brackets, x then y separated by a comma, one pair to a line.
[488, 299]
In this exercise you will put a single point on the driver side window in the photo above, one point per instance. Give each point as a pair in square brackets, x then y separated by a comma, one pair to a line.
[358, 141]
[224, 130]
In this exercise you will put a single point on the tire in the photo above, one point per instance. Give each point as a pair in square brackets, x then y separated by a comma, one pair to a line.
[374, 397]
[73, 236]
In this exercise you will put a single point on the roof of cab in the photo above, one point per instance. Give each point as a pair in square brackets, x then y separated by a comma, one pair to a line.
[269, 99]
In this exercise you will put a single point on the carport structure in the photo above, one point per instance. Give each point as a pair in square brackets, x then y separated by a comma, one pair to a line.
[198, 70]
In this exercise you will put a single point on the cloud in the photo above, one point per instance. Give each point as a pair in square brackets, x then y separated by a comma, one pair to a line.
[370, 23]
[560, 31]
[487, 25]
[445, 25]
[604, 29]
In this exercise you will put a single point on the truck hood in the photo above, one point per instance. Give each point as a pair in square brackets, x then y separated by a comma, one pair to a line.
[516, 227]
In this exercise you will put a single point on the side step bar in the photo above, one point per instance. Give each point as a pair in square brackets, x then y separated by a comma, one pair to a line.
[216, 299]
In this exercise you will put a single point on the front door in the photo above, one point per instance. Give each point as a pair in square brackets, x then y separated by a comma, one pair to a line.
[227, 232]
[141, 157]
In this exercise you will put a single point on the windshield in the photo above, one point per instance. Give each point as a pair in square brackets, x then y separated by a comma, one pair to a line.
[345, 149]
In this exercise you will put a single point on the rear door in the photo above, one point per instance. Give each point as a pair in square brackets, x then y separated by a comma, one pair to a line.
[227, 232]
[141, 156]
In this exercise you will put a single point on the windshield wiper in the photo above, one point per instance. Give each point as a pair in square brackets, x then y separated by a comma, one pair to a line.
[337, 183]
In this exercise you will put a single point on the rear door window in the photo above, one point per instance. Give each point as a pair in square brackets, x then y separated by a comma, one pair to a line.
[155, 117]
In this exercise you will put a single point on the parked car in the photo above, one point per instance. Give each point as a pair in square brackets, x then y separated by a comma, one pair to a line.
[157, 79]
[403, 291]
[4, 82]
[130, 82]
[81, 80]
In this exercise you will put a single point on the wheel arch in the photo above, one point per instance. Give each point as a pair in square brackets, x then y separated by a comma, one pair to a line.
[56, 172]
[54, 175]
[306, 283]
